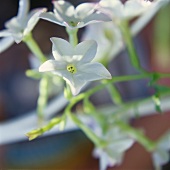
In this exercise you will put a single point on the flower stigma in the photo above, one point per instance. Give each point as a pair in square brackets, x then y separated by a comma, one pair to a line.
[73, 24]
[71, 68]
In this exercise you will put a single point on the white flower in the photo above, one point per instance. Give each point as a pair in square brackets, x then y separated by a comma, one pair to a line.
[161, 156]
[21, 25]
[148, 15]
[74, 63]
[66, 15]
[108, 37]
[113, 153]
[119, 11]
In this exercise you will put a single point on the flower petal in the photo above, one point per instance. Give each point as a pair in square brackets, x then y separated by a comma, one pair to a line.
[24, 6]
[65, 10]
[95, 17]
[147, 16]
[87, 49]
[52, 65]
[134, 8]
[61, 48]
[120, 145]
[18, 36]
[92, 71]
[5, 33]
[84, 9]
[13, 25]
[49, 16]
[33, 20]
[75, 84]
[5, 43]
[112, 8]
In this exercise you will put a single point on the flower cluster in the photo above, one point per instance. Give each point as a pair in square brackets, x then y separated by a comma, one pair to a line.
[65, 14]
[78, 63]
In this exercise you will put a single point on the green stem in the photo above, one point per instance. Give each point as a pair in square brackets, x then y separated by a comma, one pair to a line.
[33, 46]
[72, 36]
[130, 46]
[114, 94]
[88, 93]
[89, 133]
[37, 132]
[125, 78]
[43, 97]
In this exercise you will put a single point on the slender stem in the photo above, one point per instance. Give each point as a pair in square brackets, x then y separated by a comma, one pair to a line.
[130, 46]
[42, 99]
[89, 133]
[33, 46]
[72, 36]
[37, 132]
[114, 94]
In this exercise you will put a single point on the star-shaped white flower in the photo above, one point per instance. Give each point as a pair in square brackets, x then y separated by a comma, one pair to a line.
[74, 63]
[21, 25]
[112, 154]
[118, 11]
[65, 14]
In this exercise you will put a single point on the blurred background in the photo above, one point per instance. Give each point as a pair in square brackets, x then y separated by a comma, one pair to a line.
[72, 150]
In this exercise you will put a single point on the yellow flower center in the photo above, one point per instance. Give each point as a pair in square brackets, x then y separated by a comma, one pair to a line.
[73, 23]
[71, 68]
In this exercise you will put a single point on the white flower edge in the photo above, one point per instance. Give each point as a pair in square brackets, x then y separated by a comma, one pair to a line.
[119, 11]
[143, 20]
[112, 154]
[5, 43]
[74, 63]
[161, 154]
[108, 37]
[21, 25]
[65, 14]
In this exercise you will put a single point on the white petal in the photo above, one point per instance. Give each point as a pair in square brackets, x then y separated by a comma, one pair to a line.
[61, 48]
[24, 6]
[87, 49]
[52, 65]
[5, 33]
[92, 71]
[18, 36]
[160, 158]
[108, 38]
[49, 16]
[104, 161]
[5, 43]
[134, 8]
[121, 145]
[96, 17]
[147, 16]
[33, 20]
[113, 8]
[84, 9]
[75, 84]
[65, 10]
[13, 24]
